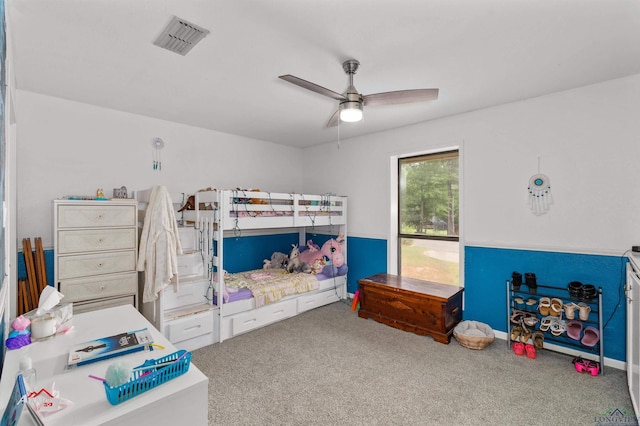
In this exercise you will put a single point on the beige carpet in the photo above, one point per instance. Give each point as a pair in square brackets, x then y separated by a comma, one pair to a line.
[329, 367]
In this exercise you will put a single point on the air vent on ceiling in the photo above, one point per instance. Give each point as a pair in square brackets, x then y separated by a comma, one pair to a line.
[180, 36]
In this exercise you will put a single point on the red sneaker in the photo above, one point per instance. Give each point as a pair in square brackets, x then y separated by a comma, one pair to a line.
[518, 348]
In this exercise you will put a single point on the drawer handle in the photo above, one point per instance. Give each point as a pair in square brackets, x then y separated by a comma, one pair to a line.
[102, 287]
[192, 328]
[100, 240]
[100, 265]
[278, 312]
[250, 321]
[99, 217]
[454, 311]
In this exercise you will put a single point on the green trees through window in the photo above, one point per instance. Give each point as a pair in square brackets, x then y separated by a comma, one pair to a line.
[429, 217]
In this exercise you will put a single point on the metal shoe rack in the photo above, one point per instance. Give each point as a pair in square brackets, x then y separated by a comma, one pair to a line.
[563, 340]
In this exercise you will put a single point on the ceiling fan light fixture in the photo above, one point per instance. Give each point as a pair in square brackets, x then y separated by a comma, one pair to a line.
[351, 111]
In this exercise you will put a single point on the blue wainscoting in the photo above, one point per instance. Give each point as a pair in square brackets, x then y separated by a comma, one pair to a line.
[48, 260]
[247, 253]
[488, 269]
[365, 257]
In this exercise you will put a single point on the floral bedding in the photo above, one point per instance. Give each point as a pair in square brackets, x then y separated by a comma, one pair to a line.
[268, 286]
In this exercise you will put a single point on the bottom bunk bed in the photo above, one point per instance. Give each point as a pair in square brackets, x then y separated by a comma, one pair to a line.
[259, 298]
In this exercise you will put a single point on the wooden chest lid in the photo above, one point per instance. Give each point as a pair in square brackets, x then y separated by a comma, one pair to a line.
[435, 290]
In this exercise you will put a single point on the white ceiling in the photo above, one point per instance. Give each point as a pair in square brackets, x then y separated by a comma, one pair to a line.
[479, 53]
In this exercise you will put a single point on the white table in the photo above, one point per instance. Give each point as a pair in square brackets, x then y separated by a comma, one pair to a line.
[182, 400]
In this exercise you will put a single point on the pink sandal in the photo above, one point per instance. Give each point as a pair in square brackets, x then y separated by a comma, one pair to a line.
[573, 329]
[591, 336]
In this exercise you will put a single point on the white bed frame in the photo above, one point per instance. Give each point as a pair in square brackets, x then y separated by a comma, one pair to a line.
[220, 213]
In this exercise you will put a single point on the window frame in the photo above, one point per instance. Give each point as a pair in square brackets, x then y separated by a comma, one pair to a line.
[434, 155]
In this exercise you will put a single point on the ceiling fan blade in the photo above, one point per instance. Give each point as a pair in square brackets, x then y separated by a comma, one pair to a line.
[334, 120]
[400, 97]
[312, 86]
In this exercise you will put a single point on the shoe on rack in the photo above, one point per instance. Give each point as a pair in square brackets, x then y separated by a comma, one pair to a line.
[547, 322]
[584, 311]
[516, 280]
[531, 304]
[575, 289]
[570, 310]
[558, 327]
[544, 305]
[526, 335]
[538, 340]
[518, 348]
[574, 329]
[530, 351]
[588, 292]
[591, 336]
[530, 320]
[515, 332]
[519, 301]
[530, 281]
[556, 307]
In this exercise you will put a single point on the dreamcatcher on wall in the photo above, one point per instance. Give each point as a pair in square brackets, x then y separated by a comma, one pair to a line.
[539, 194]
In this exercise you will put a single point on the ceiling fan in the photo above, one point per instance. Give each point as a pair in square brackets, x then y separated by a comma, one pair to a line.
[352, 102]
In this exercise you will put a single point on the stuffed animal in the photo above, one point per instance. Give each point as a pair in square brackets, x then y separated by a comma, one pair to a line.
[329, 258]
[278, 261]
[295, 264]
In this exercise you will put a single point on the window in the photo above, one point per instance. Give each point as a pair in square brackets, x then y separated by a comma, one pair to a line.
[428, 217]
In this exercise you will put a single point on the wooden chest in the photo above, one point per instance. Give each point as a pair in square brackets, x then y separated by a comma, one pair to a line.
[409, 304]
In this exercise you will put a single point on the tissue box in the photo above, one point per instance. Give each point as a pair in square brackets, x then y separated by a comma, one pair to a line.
[46, 324]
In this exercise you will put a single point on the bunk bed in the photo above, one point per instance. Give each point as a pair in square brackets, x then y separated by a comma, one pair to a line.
[221, 216]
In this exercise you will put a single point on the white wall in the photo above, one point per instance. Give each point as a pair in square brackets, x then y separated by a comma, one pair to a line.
[588, 141]
[69, 148]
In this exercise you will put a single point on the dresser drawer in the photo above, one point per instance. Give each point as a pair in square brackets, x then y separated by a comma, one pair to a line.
[190, 327]
[88, 216]
[79, 308]
[85, 265]
[99, 287]
[74, 241]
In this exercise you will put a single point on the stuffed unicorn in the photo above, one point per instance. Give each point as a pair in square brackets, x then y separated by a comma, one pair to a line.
[330, 255]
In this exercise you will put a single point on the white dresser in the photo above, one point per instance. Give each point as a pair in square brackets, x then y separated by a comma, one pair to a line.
[95, 252]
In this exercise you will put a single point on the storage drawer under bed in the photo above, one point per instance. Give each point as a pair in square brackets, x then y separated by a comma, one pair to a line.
[267, 314]
[310, 301]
